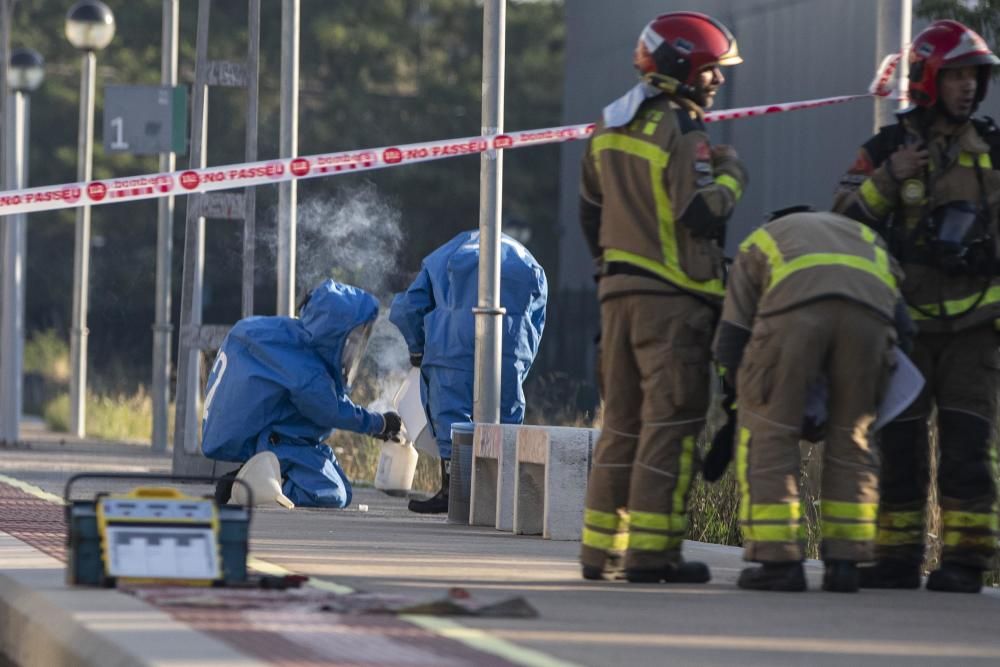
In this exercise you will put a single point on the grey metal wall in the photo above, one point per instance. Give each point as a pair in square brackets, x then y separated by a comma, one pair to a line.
[792, 50]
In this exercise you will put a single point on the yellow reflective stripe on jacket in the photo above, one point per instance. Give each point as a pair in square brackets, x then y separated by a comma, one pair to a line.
[956, 306]
[835, 509]
[858, 532]
[652, 153]
[832, 259]
[607, 520]
[683, 475]
[604, 541]
[656, 521]
[731, 184]
[669, 267]
[967, 159]
[667, 271]
[874, 199]
[980, 520]
[781, 269]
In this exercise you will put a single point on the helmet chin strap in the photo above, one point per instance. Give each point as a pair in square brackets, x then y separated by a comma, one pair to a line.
[671, 86]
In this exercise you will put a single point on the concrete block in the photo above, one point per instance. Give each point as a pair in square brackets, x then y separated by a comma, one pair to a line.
[492, 502]
[551, 470]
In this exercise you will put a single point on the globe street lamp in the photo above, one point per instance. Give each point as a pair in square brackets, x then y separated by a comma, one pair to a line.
[25, 74]
[90, 25]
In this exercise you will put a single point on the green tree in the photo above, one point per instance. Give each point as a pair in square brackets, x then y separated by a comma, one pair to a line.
[373, 73]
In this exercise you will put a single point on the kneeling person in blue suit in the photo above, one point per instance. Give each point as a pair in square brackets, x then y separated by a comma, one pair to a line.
[436, 319]
[281, 384]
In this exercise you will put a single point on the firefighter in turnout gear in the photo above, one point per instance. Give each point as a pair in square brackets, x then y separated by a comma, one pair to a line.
[655, 199]
[930, 185]
[811, 301]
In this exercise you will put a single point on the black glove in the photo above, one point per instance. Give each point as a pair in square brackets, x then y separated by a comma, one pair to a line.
[721, 452]
[392, 423]
[416, 358]
[812, 431]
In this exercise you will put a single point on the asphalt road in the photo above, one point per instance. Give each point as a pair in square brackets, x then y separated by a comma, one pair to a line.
[387, 549]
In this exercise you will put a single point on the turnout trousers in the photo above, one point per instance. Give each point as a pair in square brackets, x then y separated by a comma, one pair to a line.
[850, 348]
[962, 371]
[655, 352]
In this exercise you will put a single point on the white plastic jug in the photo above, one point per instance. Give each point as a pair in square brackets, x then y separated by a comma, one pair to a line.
[396, 466]
[409, 406]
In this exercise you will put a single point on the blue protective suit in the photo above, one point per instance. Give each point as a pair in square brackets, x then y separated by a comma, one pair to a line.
[277, 385]
[435, 317]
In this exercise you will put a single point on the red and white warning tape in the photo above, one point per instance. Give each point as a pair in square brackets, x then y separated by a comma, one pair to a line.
[227, 177]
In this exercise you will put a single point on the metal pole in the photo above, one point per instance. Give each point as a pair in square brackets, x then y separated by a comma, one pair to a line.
[905, 32]
[81, 253]
[8, 431]
[885, 42]
[21, 231]
[489, 314]
[162, 328]
[250, 194]
[287, 190]
[12, 330]
[6, 15]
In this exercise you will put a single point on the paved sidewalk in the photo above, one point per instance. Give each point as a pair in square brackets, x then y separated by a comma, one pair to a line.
[387, 550]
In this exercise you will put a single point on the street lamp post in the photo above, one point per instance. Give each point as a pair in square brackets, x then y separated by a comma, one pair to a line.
[24, 75]
[90, 25]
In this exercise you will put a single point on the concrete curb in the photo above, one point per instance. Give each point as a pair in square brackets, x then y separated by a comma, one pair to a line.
[45, 623]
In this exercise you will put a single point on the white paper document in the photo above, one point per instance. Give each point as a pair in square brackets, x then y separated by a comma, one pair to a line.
[904, 387]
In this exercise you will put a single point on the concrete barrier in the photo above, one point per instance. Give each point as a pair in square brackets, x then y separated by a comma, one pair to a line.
[492, 502]
[550, 480]
[530, 480]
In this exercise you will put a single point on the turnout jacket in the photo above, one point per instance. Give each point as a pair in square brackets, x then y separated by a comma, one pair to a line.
[963, 167]
[799, 259]
[654, 202]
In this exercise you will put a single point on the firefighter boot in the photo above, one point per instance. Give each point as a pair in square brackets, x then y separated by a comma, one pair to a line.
[613, 569]
[841, 576]
[785, 576]
[687, 572]
[890, 573]
[438, 503]
[955, 578]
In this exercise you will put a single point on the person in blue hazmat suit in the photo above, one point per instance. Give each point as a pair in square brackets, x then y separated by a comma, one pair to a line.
[436, 319]
[281, 385]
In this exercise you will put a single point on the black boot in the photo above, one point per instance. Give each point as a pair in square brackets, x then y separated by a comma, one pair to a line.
[841, 576]
[224, 487]
[611, 571]
[438, 503]
[788, 577]
[955, 578]
[890, 573]
[687, 572]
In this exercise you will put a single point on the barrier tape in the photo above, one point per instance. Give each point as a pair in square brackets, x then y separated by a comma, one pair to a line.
[228, 177]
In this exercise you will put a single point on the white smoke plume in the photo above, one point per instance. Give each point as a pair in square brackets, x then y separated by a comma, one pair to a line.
[356, 238]
[386, 360]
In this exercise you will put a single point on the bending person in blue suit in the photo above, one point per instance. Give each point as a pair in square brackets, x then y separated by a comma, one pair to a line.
[281, 384]
[436, 320]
